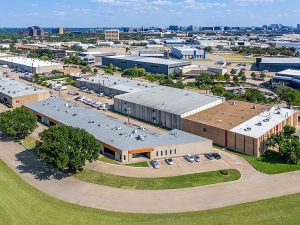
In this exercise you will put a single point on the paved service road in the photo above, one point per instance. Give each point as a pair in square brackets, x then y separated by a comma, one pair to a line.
[252, 186]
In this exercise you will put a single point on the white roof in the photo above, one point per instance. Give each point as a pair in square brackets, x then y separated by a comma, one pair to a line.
[28, 61]
[289, 72]
[264, 122]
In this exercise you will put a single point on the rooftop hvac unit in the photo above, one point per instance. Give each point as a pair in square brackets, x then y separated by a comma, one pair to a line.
[248, 129]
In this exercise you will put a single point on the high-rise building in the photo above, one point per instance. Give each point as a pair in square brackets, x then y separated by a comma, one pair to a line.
[298, 27]
[59, 30]
[33, 31]
[112, 35]
[174, 28]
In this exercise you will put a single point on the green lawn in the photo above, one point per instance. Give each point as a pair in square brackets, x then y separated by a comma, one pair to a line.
[139, 164]
[106, 159]
[29, 142]
[270, 163]
[21, 204]
[191, 180]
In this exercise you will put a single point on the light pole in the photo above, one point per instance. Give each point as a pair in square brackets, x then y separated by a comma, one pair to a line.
[128, 113]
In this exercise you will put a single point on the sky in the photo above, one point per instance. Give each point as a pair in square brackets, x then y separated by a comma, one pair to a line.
[117, 13]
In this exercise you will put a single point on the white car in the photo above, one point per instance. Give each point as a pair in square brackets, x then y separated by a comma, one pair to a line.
[155, 164]
[169, 161]
[190, 158]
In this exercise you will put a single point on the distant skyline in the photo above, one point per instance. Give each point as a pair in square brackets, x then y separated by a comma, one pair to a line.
[117, 13]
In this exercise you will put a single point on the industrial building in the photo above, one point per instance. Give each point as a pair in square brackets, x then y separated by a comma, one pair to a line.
[30, 65]
[241, 126]
[277, 64]
[188, 53]
[124, 141]
[112, 85]
[16, 94]
[286, 78]
[150, 64]
[112, 35]
[164, 106]
[94, 58]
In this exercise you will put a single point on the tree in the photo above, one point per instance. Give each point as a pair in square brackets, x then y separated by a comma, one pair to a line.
[134, 72]
[219, 77]
[95, 70]
[18, 123]
[233, 72]
[287, 144]
[254, 95]
[262, 75]
[227, 77]
[243, 78]
[68, 148]
[204, 78]
[253, 75]
[218, 89]
[235, 79]
[288, 95]
[208, 49]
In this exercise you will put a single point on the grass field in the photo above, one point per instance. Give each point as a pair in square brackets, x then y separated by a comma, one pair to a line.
[270, 163]
[191, 180]
[29, 142]
[106, 159]
[21, 204]
[138, 164]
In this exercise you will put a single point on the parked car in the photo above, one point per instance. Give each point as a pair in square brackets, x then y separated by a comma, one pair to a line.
[197, 158]
[190, 158]
[216, 155]
[209, 156]
[155, 164]
[169, 161]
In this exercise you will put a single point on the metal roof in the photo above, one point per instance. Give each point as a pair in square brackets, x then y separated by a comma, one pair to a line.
[28, 61]
[13, 88]
[171, 100]
[280, 60]
[289, 72]
[107, 129]
[118, 83]
[264, 122]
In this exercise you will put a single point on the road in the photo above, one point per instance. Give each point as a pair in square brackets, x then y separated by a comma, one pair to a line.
[252, 186]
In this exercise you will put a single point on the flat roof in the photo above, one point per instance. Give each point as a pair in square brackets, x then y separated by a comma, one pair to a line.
[172, 100]
[28, 61]
[228, 114]
[107, 129]
[13, 88]
[148, 60]
[264, 122]
[280, 60]
[289, 72]
[119, 83]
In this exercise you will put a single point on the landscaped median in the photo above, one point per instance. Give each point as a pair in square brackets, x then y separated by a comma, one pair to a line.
[185, 181]
[19, 200]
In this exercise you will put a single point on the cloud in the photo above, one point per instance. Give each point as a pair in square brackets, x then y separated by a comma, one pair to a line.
[253, 2]
[58, 13]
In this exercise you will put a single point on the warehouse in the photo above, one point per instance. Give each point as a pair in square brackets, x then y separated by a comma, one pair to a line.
[112, 85]
[164, 106]
[240, 126]
[16, 94]
[125, 142]
[94, 58]
[150, 64]
[277, 64]
[30, 65]
[188, 53]
[286, 78]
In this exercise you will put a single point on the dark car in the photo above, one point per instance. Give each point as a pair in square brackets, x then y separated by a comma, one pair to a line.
[216, 155]
[209, 156]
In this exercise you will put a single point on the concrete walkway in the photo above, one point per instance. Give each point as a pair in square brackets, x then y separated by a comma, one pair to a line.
[251, 187]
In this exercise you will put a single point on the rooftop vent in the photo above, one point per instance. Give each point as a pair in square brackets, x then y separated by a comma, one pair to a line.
[247, 129]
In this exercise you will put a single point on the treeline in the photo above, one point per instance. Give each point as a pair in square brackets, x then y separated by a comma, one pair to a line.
[272, 51]
[44, 54]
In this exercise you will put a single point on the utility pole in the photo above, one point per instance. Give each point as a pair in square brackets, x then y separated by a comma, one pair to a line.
[128, 113]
